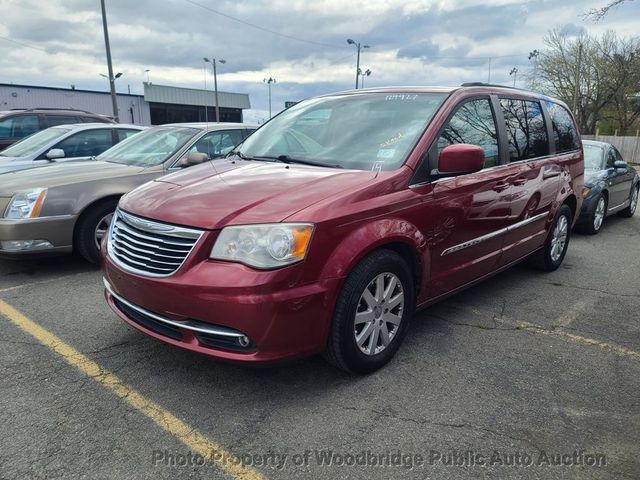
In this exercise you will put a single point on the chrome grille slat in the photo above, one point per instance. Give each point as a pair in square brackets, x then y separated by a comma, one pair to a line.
[147, 247]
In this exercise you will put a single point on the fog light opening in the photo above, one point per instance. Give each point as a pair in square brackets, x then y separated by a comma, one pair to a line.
[244, 341]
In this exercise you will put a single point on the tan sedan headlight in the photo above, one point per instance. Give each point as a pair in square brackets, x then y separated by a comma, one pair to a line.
[263, 246]
[26, 204]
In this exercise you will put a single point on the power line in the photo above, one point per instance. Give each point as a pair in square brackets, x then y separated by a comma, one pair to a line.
[258, 27]
[23, 44]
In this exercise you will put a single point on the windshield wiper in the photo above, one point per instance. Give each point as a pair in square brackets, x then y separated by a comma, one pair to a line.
[287, 159]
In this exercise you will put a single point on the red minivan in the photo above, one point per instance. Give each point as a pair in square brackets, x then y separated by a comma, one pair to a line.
[334, 222]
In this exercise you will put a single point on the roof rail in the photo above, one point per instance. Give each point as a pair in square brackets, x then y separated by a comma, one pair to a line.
[484, 84]
[53, 109]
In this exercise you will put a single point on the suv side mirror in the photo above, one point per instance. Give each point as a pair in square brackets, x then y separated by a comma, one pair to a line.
[55, 153]
[619, 164]
[460, 158]
[193, 158]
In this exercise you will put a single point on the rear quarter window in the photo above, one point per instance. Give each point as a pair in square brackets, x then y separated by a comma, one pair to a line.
[565, 132]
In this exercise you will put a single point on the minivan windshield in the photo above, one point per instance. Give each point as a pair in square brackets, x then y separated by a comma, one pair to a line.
[150, 147]
[593, 156]
[365, 131]
[33, 143]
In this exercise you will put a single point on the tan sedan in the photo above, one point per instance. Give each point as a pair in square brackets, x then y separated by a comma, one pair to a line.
[68, 207]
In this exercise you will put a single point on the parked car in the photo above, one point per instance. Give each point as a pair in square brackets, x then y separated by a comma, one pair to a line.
[68, 206]
[610, 186]
[20, 123]
[64, 143]
[327, 239]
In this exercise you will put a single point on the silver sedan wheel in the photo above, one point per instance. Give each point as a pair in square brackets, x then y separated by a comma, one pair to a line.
[598, 217]
[634, 200]
[379, 313]
[559, 238]
[102, 228]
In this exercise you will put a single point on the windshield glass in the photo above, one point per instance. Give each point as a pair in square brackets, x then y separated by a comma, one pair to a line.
[363, 131]
[150, 147]
[593, 156]
[34, 143]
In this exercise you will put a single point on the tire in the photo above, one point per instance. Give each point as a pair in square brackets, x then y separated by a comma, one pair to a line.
[549, 258]
[633, 203]
[85, 238]
[596, 216]
[343, 350]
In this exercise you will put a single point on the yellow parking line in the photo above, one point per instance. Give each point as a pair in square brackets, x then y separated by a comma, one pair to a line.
[194, 440]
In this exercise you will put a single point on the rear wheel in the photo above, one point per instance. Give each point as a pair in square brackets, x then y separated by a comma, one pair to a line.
[550, 257]
[371, 314]
[93, 225]
[633, 203]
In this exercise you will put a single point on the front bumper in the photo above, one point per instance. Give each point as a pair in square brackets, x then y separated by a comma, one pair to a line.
[57, 231]
[226, 302]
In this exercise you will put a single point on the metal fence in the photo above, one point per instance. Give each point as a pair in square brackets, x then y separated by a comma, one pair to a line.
[629, 147]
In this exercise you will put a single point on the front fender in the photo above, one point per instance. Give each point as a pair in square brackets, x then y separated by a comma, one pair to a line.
[373, 235]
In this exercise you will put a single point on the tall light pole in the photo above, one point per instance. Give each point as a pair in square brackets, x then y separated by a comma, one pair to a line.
[358, 46]
[514, 72]
[533, 55]
[269, 81]
[215, 83]
[112, 80]
[366, 73]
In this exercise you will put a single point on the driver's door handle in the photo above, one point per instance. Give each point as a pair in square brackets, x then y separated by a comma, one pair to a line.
[520, 181]
[500, 186]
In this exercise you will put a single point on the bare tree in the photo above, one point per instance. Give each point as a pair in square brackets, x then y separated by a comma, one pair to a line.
[597, 14]
[598, 77]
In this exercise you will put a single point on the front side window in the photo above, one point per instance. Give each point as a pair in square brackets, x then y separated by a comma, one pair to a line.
[86, 144]
[366, 131]
[526, 129]
[19, 126]
[219, 143]
[150, 147]
[31, 145]
[565, 132]
[53, 120]
[473, 123]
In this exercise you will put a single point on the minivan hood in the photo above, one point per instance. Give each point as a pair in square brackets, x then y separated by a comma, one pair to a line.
[254, 192]
[66, 173]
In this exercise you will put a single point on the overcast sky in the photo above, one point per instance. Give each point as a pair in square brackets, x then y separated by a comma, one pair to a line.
[301, 43]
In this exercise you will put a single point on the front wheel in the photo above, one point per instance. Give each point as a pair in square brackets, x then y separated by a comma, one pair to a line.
[597, 216]
[550, 257]
[633, 202]
[371, 314]
[93, 225]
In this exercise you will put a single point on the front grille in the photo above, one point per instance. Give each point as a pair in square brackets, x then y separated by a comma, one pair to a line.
[147, 247]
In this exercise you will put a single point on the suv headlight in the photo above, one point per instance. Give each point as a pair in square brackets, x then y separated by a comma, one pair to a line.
[26, 204]
[263, 246]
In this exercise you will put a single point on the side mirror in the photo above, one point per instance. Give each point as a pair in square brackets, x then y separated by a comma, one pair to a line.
[460, 158]
[619, 164]
[193, 158]
[55, 153]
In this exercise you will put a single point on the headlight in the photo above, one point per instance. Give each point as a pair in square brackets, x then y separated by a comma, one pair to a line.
[585, 192]
[26, 204]
[263, 246]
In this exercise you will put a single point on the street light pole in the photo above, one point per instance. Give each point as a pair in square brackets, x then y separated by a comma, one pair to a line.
[366, 73]
[514, 72]
[358, 46]
[269, 81]
[215, 83]
[112, 82]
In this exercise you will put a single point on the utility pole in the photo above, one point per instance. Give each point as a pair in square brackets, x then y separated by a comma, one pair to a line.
[489, 79]
[215, 83]
[206, 108]
[112, 82]
[576, 91]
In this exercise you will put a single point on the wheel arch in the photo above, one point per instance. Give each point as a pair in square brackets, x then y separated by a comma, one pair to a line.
[87, 208]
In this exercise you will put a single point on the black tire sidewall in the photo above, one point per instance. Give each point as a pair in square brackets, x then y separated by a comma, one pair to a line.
[85, 241]
[550, 264]
[373, 265]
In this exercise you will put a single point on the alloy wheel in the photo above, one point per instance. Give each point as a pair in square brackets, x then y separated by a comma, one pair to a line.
[634, 200]
[598, 217]
[102, 228]
[559, 238]
[379, 313]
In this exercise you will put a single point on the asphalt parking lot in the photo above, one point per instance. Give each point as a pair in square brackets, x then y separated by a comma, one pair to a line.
[526, 368]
